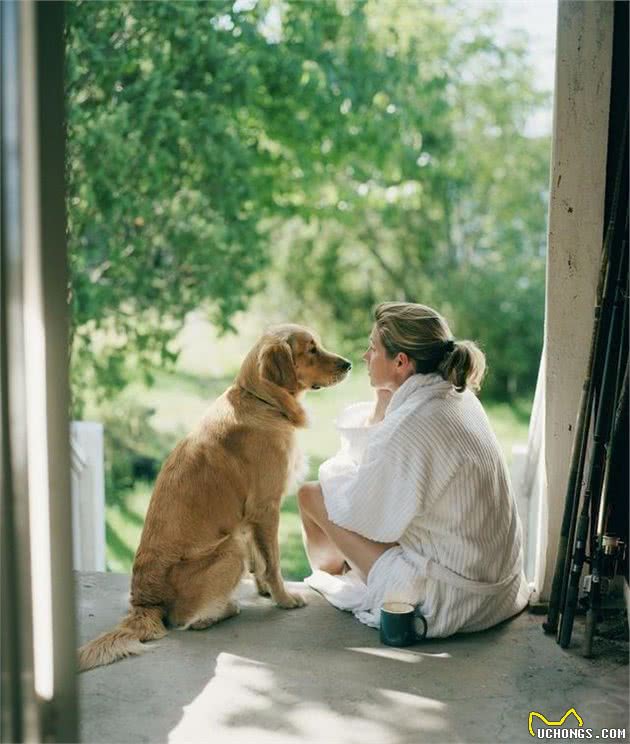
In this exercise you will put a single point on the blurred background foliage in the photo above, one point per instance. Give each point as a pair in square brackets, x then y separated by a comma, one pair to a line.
[252, 161]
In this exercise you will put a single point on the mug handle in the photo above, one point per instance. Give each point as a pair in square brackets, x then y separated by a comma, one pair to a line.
[420, 616]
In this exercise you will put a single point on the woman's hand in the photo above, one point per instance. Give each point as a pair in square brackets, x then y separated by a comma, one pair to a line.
[383, 396]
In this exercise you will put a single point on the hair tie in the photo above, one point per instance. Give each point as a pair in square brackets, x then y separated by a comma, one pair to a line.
[449, 345]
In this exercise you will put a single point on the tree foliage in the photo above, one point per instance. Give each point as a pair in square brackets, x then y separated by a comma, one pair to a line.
[353, 151]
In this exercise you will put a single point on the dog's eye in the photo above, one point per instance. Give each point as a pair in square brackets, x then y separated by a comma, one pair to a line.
[313, 350]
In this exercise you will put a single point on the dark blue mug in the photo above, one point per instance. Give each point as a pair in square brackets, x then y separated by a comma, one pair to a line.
[398, 624]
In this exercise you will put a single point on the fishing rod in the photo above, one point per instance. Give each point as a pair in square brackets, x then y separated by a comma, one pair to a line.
[601, 439]
[622, 300]
[610, 549]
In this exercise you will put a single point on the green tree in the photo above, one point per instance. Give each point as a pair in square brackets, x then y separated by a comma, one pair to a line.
[166, 183]
[443, 199]
[352, 151]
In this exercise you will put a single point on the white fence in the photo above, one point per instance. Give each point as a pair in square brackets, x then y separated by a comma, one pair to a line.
[88, 495]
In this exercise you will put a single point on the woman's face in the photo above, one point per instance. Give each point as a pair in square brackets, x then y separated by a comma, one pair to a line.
[382, 370]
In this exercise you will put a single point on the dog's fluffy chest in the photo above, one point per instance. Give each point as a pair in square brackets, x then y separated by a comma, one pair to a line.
[297, 468]
[279, 470]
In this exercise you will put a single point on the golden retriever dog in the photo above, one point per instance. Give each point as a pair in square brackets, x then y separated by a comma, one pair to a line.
[215, 507]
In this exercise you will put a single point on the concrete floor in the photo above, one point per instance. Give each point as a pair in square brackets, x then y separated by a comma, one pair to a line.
[315, 674]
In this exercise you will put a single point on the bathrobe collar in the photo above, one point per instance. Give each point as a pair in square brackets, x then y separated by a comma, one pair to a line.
[429, 384]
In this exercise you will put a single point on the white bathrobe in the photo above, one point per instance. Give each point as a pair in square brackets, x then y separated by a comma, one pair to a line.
[430, 476]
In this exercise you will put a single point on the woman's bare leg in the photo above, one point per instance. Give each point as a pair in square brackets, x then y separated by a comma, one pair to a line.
[320, 550]
[329, 544]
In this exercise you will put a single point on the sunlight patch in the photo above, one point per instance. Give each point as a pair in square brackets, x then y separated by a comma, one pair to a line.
[399, 654]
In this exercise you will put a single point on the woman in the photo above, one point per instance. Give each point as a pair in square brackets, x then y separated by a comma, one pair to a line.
[417, 502]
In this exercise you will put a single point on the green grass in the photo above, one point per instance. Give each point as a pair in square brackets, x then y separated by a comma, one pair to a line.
[510, 423]
[180, 398]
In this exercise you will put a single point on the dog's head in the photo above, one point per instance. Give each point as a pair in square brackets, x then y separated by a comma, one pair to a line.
[293, 358]
[285, 362]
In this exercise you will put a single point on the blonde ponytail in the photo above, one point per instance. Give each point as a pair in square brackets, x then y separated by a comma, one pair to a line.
[464, 366]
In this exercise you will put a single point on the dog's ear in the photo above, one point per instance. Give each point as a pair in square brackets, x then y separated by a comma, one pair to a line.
[275, 364]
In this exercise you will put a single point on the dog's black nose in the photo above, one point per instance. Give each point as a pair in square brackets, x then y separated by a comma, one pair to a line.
[346, 366]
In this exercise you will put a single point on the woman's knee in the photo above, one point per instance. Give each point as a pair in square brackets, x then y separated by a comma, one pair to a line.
[308, 496]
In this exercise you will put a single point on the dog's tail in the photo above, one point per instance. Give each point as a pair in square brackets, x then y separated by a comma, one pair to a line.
[126, 639]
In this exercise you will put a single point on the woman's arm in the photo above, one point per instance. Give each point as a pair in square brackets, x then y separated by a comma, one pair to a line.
[383, 397]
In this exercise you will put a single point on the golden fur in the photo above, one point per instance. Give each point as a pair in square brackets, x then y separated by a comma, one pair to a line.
[216, 502]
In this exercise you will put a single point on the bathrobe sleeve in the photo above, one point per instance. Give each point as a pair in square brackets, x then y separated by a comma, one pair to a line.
[354, 430]
[379, 496]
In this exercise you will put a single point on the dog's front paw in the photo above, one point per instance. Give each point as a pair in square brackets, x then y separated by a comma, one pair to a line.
[290, 601]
